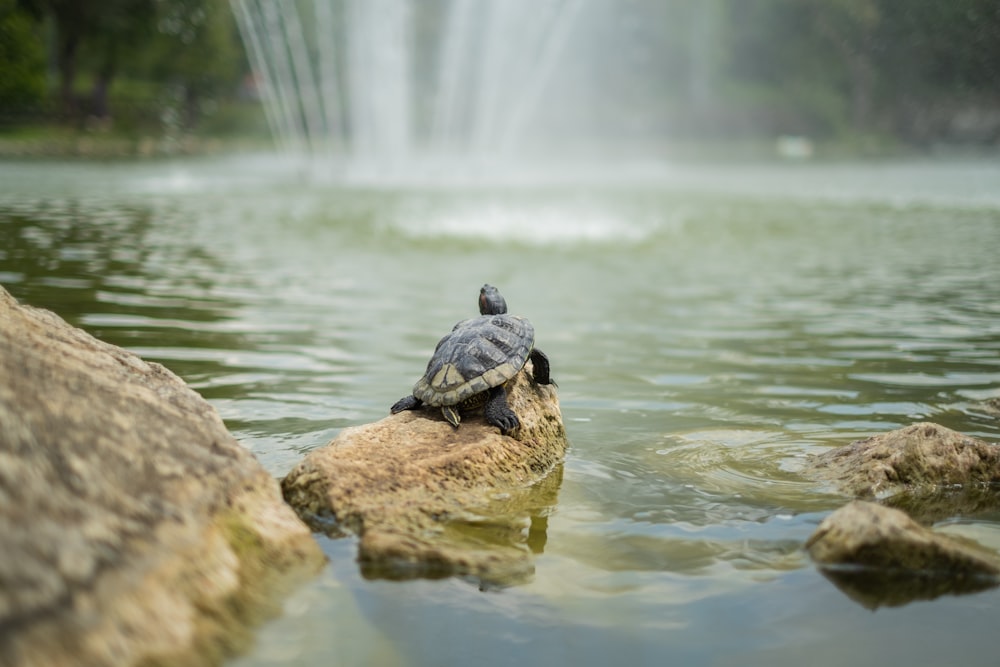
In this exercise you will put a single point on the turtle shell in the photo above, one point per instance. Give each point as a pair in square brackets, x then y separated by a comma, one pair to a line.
[480, 353]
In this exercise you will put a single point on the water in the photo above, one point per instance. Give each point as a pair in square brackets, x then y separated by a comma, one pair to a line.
[709, 327]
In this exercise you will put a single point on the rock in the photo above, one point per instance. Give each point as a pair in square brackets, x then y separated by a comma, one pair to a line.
[872, 535]
[991, 406]
[887, 558]
[876, 553]
[133, 527]
[918, 458]
[428, 499]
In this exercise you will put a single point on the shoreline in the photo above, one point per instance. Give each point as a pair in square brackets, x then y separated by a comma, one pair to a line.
[55, 142]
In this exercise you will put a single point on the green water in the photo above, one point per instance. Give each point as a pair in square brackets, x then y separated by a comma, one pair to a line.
[709, 328]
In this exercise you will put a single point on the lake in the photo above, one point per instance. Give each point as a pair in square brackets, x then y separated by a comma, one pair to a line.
[710, 327]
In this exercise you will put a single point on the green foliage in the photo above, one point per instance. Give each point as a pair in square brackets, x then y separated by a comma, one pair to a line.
[943, 45]
[830, 67]
[22, 59]
[195, 55]
[195, 45]
[124, 60]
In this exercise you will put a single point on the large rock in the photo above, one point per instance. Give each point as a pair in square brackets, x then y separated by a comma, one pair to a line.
[880, 556]
[133, 527]
[427, 499]
[919, 458]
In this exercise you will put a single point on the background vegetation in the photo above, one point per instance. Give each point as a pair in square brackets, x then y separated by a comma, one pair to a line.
[917, 72]
[139, 66]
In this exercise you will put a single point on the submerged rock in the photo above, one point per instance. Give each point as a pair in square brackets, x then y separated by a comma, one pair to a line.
[428, 499]
[918, 458]
[134, 528]
[991, 406]
[880, 556]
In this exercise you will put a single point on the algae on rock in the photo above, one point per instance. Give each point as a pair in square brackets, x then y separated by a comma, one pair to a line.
[920, 459]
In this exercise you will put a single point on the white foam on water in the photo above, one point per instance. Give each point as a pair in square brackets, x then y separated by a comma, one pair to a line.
[539, 224]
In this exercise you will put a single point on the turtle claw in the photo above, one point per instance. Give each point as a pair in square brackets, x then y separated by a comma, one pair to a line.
[405, 403]
[508, 425]
[498, 413]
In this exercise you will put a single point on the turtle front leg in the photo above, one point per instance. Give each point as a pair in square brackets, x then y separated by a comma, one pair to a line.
[498, 413]
[406, 403]
[540, 363]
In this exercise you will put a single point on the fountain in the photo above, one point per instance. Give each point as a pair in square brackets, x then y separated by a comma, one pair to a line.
[385, 85]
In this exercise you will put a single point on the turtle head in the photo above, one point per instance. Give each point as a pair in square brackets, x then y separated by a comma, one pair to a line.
[490, 301]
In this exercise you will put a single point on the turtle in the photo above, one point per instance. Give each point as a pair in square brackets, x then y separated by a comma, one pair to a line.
[471, 365]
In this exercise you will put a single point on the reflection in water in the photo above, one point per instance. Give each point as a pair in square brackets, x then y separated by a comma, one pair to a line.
[930, 505]
[512, 527]
[874, 588]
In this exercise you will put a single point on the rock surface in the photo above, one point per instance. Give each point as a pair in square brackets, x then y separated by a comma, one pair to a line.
[427, 499]
[992, 406]
[919, 457]
[869, 534]
[897, 560]
[133, 527]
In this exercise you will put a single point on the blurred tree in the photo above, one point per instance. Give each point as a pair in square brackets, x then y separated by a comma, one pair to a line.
[195, 51]
[22, 57]
[951, 45]
[187, 48]
[939, 58]
[105, 29]
[826, 67]
[781, 74]
[120, 28]
[849, 28]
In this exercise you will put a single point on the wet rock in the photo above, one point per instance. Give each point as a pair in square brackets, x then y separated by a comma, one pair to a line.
[872, 535]
[991, 406]
[427, 499]
[918, 458]
[133, 527]
[880, 556]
